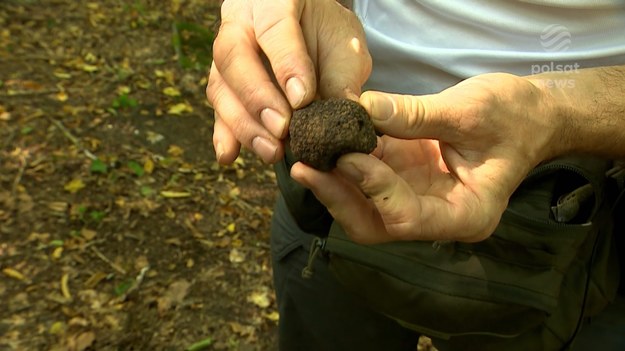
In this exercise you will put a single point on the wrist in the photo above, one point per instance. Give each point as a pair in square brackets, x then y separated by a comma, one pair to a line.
[558, 114]
[587, 108]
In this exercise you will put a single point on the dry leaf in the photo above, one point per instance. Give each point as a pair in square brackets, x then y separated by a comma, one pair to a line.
[81, 342]
[148, 166]
[74, 186]
[94, 279]
[231, 227]
[65, 286]
[174, 194]
[57, 253]
[175, 151]
[154, 138]
[62, 96]
[88, 68]
[171, 91]
[57, 328]
[180, 108]
[12, 273]
[62, 75]
[175, 294]
[58, 206]
[236, 256]
[88, 234]
[259, 298]
[273, 316]
[167, 74]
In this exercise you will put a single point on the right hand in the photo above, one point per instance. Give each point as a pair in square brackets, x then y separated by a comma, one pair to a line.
[314, 48]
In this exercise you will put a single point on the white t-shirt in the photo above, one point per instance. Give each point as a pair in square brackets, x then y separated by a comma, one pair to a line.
[425, 46]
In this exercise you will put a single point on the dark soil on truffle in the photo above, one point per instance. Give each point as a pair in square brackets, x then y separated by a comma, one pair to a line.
[325, 130]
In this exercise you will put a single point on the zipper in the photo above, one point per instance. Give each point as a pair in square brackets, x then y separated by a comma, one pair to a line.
[316, 246]
[568, 204]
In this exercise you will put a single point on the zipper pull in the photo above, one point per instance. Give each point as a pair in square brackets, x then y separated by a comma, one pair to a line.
[315, 247]
[568, 205]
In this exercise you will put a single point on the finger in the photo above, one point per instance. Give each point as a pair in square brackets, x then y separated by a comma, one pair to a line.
[406, 215]
[408, 116]
[238, 59]
[225, 143]
[279, 34]
[345, 202]
[343, 72]
[240, 124]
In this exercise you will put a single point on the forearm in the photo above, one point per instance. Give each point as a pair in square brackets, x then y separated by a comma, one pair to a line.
[588, 108]
[346, 3]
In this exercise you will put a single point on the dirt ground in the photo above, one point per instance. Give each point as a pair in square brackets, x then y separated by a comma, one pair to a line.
[118, 230]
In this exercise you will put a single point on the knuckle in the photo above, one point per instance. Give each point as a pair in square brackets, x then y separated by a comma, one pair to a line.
[253, 96]
[414, 112]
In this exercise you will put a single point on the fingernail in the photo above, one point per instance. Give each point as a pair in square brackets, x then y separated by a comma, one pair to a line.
[295, 91]
[351, 171]
[273, 121]
[219, 150]
[381, 108]
[265, 149]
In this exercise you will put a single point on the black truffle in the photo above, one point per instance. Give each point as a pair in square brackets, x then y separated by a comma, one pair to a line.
[325, 130]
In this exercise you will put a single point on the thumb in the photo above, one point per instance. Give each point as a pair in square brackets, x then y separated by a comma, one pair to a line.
[408, 116]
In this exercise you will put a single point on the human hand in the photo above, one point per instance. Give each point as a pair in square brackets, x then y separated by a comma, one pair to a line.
[447, 165]
[272, 56]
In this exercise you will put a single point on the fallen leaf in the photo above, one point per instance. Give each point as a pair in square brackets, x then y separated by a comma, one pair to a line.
[171, 91]
[58, 206]
[12, 273]
[175, 151]
[88, 234]
[62, 75]
[80, 342]
[236, 256]
[174, 194]
[243, 330]
[154, 138]
[173, 241]
[65, 286]
[57, 328]
[94, 279]
[88, 68]
[174, 295]
[180, 108]
[273, 316]
[234, 192]
[62, 96]
[259, 298]
[167, 74]
[4, 114]
[148, 166]
[78, 321]
[57, 253]
[74, 186]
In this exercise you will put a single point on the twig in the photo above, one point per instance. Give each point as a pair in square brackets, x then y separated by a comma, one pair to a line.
[111, 263]
[18, 177]
[135, 286]
[71, 137]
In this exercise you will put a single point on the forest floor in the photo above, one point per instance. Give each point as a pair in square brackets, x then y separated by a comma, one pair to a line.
[118, 230]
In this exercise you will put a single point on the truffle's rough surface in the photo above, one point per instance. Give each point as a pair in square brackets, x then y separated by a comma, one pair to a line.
[325, 130]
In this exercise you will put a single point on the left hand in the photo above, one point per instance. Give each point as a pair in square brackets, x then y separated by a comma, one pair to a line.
[447, 165]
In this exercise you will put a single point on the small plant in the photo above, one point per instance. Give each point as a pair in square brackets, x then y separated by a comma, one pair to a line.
[123, 101]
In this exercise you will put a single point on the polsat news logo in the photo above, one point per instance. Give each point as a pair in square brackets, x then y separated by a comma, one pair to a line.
[556, 38]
